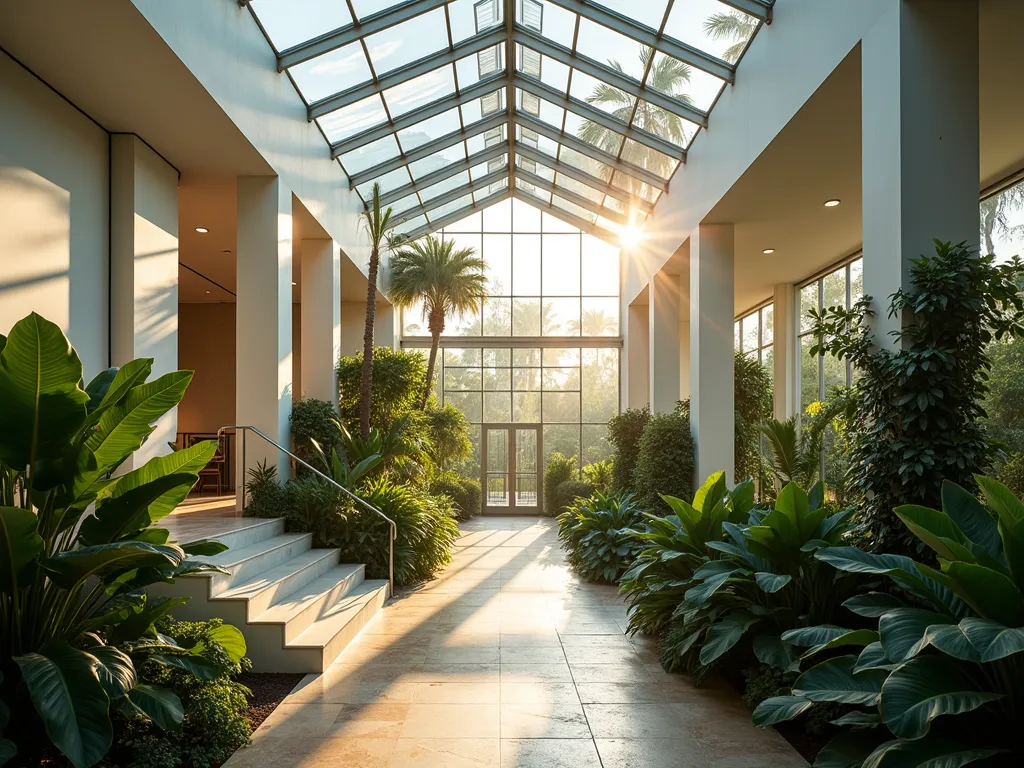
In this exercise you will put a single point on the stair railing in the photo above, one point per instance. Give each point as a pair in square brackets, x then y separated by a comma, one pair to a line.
[246, 428]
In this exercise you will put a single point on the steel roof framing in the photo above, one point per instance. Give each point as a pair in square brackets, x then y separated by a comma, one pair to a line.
[583, 202]
[443, 173]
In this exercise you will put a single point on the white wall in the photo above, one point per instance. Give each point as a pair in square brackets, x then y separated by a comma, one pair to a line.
[53, 214]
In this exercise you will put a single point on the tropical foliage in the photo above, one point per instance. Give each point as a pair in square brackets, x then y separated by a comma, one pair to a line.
[752, 387]
[920, 413]
[944, 642]
[75, 623]
[397, 386]
[446, 281]
[595, 534]
[624, 432]
[465, 493]
[560, 469]
[664, 460]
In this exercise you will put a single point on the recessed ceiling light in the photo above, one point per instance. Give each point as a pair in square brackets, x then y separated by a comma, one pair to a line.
[294, 283]
[832, 203]
[768, 251]
[226, 250]
[207, 291]
[202, 230]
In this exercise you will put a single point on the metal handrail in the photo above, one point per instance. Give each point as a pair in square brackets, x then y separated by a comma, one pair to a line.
[245, 428]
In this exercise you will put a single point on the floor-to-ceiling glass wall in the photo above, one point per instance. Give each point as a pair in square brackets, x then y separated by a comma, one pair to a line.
[545, 348]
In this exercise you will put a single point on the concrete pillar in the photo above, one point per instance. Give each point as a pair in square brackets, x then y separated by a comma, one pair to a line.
[920, 140]
[663, 308]
[263, 326]
[320, 319]
[144, 271]
[636, 389]
[385, 326]
[712, 402]
[684, 335]
[785, 349]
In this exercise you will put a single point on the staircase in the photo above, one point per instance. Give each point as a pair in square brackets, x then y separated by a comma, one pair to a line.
[298, 607]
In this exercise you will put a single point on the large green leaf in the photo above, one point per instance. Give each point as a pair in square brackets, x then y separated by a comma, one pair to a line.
[204, 548]
[112, 385]
[65, 688]
[925, 753]
[116, 671]
[122, 428]
[834, 680]
[873, 657]
[988, 640]
[811, 636]
[971, 517]
[778, 709]
[20, 544]
[902, 631]
[160, 705]
[40, 388]
[989, 592]
[924, 688]
[772, 582]
[70, 568]
[848, 750]
[710, 493]
[702, 592]
[775, 652]
[872, 604]
[934, 528]
[133, 511]
[1010, 511]
[230, 639]
[725, 633]
[140, 622]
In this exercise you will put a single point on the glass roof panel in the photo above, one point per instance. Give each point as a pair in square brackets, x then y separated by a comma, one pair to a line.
[429, 129]
[609, 47]
[572, 208]
[629, 184]
[290, 22]
[410, 224]
[445, 185]
[421, 90]
[388, 182]
[651, 159]
[437, 161]
[605, 97]
[557, 24]
[370, 154]
[537, 169]
[355, 118]
[477, 172]
[541, 196]
[544, 68]
[332, 73]
[592, 133]
[407, 203]
[585, 163]
[688, 84]
[482, 141]
[364, 8]
[670, 127]
[473, 68]
[467, 21]
[583, 190]
[409, 41]
[473, 111]
[650, 13]
[466, 201]
[711, 26]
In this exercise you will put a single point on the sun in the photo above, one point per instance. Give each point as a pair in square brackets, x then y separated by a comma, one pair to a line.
[630, 236]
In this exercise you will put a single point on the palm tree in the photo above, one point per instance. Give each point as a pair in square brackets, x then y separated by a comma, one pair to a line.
[378, 224]
[666, 76]
[445, 280]
[731, 25]
[594, 322]
[995, 216]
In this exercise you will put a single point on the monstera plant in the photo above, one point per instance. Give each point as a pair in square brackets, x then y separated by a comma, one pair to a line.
[78, 546]
[937, 676]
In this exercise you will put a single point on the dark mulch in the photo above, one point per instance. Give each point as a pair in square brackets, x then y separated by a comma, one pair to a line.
[268, 690]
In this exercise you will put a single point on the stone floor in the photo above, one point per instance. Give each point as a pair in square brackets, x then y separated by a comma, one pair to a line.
[507, 660]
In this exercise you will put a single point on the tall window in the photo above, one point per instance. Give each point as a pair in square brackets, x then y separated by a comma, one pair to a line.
[1002, 222]
[841, 287]
[754, 334]
[544, 349]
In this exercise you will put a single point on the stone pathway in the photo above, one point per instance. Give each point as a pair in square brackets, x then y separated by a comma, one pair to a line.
[507, 660]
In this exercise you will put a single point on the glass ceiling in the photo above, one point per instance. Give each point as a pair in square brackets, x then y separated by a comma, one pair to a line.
[583, 108]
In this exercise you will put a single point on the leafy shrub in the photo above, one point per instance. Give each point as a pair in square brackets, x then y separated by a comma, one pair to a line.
[753, 398]
[568, 491]
[948, 643]
[560, 468]
[921, 405]
[215, 722]
[312, 505]
[464, 492]
[624, 432]
[593, 534]
[600, 475]
[664, 462]
[1004, 401]
[1011, 474]
[398, 381]
[448, 437]
[314, 420]
[427, 531]
[75, 622]
[265, 497]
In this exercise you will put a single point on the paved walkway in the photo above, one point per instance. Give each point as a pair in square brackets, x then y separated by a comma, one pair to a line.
[507, 660]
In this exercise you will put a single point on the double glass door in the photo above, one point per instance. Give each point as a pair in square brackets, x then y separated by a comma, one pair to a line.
[511, 462]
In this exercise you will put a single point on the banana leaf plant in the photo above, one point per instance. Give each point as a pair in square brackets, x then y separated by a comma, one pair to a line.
[360, 457]
[595, 533]
[78, 546]
[675, 546]
[766, 580]
[939, 681]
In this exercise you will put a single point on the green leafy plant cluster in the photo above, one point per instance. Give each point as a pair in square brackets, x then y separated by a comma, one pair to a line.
[215, 722]
[560, 469]
[600, 474]
[624, 432]
[595, 533]
[76, 625]
[465, 493]
[397, 385]
[313, 423]
[664, 460]
[936, 672]
[752, 387]
[920, 413]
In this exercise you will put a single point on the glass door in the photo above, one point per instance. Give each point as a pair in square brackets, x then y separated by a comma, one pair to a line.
[511, 469]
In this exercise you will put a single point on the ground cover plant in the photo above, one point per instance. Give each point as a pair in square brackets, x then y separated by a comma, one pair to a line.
[76, 626]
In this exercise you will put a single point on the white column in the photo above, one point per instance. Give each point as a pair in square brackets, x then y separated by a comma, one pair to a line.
[320, 323]
[663, 306]
[684, 335]
[144, 271]
[636, 389]
[263, 325]
[785, 349]
[712, 300]
[920, 140]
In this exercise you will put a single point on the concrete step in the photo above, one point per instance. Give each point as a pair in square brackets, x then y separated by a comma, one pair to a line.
[269, 587]
[250, 530]
[249, 562]
[295, 613]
